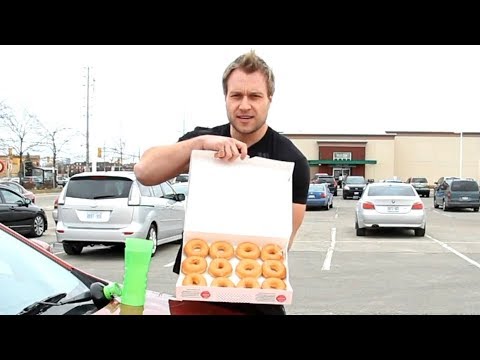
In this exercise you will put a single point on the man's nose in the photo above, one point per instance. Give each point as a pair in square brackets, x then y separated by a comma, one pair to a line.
[245, 104]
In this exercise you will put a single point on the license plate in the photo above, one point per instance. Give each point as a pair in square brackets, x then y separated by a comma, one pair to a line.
[392, 209]
[464, 197]
[311, 196]
[355, 193]
[96, 216]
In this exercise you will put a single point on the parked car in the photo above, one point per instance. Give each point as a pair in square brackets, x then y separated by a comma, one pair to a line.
[106, 208]
[457, 193]
[20, 214]
[327, 179]
[62, 180]
[19, 189]
[319, 195]
[34, 281]
[182, 178]
[353, 186]
[420, 184]
[390, 205]
[181, 188]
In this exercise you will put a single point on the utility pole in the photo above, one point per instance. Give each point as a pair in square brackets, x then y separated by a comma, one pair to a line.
[87, 167]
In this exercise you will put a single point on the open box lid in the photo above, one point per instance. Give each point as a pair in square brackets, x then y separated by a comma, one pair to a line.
[244, 197]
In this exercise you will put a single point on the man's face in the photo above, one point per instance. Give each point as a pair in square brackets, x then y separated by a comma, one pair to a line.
[247, 101]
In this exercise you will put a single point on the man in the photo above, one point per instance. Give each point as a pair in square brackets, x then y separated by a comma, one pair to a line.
[248, 86]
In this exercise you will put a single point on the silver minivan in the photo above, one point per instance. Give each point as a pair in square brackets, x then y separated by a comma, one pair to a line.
[105, 208]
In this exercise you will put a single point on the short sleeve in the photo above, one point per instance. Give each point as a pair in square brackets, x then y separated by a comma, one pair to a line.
[301, 181]
[196, 132]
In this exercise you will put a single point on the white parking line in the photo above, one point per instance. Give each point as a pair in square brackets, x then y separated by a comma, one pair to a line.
[442, 213]
[328, 258]
[464, 257]
[169, 264]
[58, 253]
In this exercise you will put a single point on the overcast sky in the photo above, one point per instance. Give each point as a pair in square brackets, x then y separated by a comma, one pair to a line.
[146, 95]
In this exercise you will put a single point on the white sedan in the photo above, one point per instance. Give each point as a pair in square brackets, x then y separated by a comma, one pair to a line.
[390, 205]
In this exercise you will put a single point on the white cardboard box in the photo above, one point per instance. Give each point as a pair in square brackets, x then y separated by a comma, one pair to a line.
[244, 200]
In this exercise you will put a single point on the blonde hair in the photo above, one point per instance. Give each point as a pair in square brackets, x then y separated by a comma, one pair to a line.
[249, 63]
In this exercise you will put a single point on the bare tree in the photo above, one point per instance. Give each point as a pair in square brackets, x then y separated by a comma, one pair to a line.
[21, 135]
[54, 140]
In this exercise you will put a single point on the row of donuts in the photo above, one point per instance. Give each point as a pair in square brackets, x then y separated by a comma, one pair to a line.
[246, 268]
[247, 282]
[225, 250]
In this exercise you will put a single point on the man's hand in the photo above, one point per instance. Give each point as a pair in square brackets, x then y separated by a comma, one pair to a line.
[225, 148]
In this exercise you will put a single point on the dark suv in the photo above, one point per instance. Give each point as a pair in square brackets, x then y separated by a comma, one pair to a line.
[329, 180]
[353, 186]
[420, 184]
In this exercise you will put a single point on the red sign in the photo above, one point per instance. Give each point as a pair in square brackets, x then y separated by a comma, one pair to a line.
[205, 294]
[281, 298]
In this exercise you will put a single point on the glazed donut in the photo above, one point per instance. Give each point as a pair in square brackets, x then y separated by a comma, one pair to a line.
[248, 250]
[221, 249]
[194, 279]
[196, 247]
[222, 282]
[274, 283]
[271, 252]
[274, 269]
[194, 264]
[249, 283]
[220, 268]
[248, 268]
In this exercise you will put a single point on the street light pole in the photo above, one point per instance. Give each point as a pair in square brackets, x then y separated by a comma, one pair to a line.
[87, 167]
[461, 153]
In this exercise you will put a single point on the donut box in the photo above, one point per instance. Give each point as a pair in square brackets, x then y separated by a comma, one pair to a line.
[244, 201]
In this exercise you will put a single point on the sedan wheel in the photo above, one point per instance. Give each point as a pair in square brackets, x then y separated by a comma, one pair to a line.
[152, 235]
[38, 226]
[360, 232]
[445, 208]
[420, 232]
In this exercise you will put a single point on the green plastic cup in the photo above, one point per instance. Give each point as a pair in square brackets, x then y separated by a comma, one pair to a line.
[138, 254]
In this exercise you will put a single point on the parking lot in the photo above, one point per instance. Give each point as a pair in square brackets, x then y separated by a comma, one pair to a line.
[333, 271]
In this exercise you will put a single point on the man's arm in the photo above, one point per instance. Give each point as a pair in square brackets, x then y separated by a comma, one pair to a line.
[298, 215]
[160, 163]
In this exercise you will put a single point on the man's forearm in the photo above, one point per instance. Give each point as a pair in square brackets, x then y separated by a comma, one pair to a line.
[161, 163]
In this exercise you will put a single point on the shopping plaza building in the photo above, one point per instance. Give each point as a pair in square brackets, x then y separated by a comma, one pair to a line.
[400, 154]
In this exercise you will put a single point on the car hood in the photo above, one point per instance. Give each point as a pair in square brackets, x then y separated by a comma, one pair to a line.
[155, 304]
[164, 304]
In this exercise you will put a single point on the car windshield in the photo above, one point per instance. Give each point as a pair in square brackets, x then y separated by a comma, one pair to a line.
[390, 191]
[181, 188]
[317, 187]
[325, 179]
[27, 276]
[420, 180]
[464, 185]
[99, 187]
[355, 180]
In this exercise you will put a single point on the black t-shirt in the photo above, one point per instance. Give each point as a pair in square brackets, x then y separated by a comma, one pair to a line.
[274, 146]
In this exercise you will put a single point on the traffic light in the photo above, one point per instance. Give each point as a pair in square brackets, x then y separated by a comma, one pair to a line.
[99, 152]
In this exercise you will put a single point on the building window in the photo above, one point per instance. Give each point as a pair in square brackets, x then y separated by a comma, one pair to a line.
[341, 155]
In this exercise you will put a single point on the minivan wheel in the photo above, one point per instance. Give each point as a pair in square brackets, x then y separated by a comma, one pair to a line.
[152, 235]
[445, 208]
[72, 248]
[38, 226]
